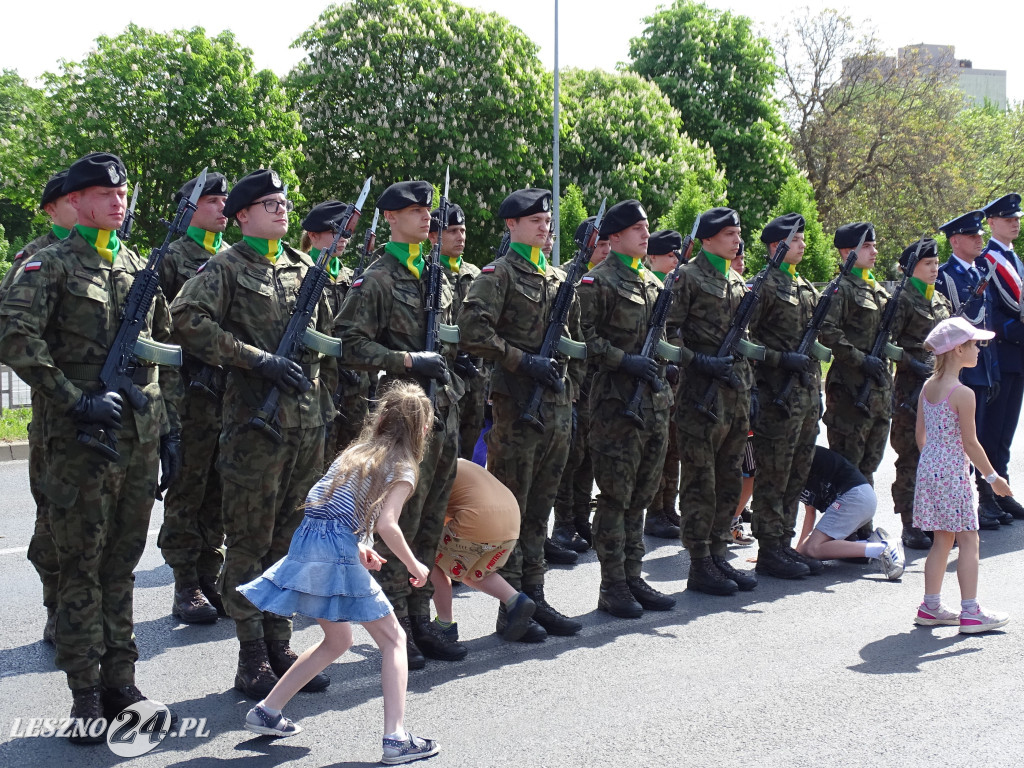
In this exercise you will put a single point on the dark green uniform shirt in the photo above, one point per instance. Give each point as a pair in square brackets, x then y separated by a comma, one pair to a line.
[782, 315]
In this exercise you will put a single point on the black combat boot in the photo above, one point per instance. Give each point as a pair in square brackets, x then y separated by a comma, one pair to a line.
[554, 622]
[814, 565]
[556, 554]
[86, 710]
[50, 628]
[210, 591]
[534, 633]
[616, 599]
[254, 677]
[115, 700]
[744, 580]
[416, 659]
[191, 606]
[281, 658]
[989, 513]
[582, 523]
[915, 538]
[772, 561]
[432, 641]
[650, 598]
[565, 536]
[1010, 506]
[705, 577]
[656, 524]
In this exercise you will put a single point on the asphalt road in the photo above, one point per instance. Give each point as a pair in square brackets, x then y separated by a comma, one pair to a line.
[825, 671]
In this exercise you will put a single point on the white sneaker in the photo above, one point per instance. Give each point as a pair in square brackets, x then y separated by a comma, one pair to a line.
[982, 621]
[878, 536]
[934, 617]
[892, 559]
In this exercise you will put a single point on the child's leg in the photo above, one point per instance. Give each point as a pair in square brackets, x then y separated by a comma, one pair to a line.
[442, 594]
[311, 662]
[935, 565]
[493, 584]
[967, 564]
[746, 491]
[823, 547]
[394, 670]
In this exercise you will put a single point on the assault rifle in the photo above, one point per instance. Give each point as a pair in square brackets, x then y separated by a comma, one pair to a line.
[369, 242]
[298, 334]
[554, 341]
[128, 349]
[882, 345]
[809, 344]
[976, 293]
[125, 232]
[655, 343]
[734, 343]
[502, 249]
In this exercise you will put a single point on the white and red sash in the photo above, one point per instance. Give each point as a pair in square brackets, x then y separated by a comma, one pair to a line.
[1006, 276]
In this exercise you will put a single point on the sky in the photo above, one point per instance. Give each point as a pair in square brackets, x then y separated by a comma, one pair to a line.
[592, 33]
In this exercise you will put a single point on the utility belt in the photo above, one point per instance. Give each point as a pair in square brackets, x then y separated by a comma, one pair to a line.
[88, 373]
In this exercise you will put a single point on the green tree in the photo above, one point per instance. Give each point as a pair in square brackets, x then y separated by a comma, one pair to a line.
[820, 258]
[5, 259]
[170, 104]
[399, 89]
[721, 77]
[23, 127]
[698, 193]
[571, 211]
[620, 138]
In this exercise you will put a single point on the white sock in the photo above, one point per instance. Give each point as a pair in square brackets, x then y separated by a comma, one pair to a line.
[269, 710]
[933, 601]
[970, 606]
[397, 736]
[873, 549]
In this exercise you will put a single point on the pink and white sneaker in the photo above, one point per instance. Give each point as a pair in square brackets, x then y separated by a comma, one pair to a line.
[982, 621]
[932, 617]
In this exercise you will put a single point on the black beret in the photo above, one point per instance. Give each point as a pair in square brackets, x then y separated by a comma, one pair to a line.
[967, 224]
[581, 230]
[849, 235]
[777, 230]
[622, 216]
[714, 221]
[1005, 207]
[524, 202]
[250, 188]
[216, 184]
[456, 217]
[663, 242]
[929, 250]
[324, 216]
[97, 169]
[404, 194]
[54, 188]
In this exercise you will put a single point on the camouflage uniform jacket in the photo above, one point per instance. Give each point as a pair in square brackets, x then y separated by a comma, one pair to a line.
[184, 258]
[384, 316]
[506, 313]
[704, 302]
[349, 382]
[782, 315]
[238, 305]
[59, 319]
[915, 318]
[615, 308]
[850, 328]
[21, 257]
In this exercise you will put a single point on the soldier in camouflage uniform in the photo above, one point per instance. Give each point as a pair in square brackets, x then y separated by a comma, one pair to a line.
[572, 529]
[352, 398]
[192, 535]
[57, 322]
[233, 313]
[705, 299]
[617, 298]
[784, 437]
[385, 328]
[920, 309]
[849, 331]
[504, 319]
[42, 552]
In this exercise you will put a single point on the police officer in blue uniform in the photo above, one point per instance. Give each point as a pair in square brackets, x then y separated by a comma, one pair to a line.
[958, 281]
[1000, 421]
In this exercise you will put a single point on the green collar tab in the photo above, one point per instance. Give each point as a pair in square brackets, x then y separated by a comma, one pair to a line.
[454, 263]
[927, 289]
[60, 232]
[103, 240]
[210, 241]
[409, 255]
[864, 274]
[532, 254]
[634, 265]
[722, 265]
[660, 275]
[268, 249]
[789, 269]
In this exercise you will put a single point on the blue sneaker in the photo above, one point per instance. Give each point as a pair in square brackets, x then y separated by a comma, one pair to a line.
[405, 751]
[258, 720]
[451, 632]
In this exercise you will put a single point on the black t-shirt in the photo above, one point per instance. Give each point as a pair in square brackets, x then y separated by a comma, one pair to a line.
[831, 475]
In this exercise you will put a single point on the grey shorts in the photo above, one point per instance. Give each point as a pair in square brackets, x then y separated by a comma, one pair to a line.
[848, 512]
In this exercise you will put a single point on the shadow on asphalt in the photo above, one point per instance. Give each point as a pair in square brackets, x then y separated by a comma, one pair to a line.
[906, 652]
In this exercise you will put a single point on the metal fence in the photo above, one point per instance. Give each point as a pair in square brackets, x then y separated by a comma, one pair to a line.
[14, 393]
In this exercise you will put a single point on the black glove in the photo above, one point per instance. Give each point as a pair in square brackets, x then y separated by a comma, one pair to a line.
[795, 362]
[349, 377]
[639, 366]
[464, 366]
[672, 374]
[755, 406]
[718, 367]
[430, 365]
[101, 408]
[542, 369]
[874, 367]
[170, 460]
[284, 373]
[920, 368]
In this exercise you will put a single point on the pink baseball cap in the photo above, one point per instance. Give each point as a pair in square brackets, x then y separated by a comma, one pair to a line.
[953, 332]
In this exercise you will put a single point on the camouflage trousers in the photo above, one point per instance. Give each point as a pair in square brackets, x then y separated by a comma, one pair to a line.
[710, 460]
[98, 514]
[576, 486]
[530, 464]
[628, 465]
[668, 487]
[192, 535]
[904, 442]
[264, 486]
[346, 427]
[857, 437]
[783, 450]
[422, 520]
[471, 414]
[42, 551]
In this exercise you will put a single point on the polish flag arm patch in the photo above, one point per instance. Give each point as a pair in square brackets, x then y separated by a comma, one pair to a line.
[588, 279]
[488, 268]
[357, 282]
[32, 266]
